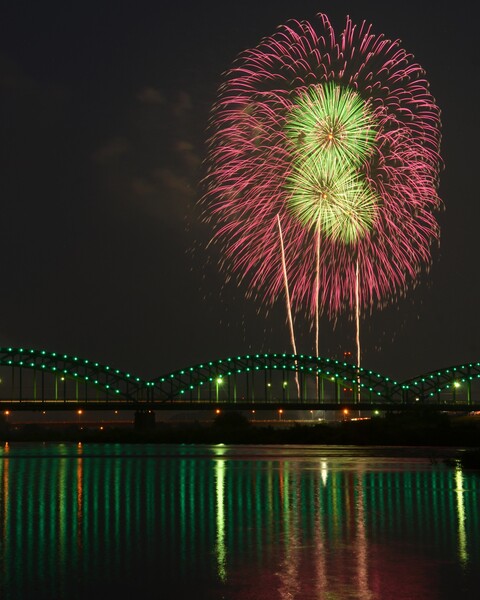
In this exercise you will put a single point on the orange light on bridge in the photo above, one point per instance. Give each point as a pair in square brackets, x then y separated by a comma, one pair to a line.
[79, 412]
[217, 411]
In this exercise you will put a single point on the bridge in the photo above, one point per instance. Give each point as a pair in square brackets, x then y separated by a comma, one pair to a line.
[33, 380]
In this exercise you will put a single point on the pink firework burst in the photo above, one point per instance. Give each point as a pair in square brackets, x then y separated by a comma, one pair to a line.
[252, 163]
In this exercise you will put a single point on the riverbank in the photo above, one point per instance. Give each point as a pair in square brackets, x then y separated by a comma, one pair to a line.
[424, 428]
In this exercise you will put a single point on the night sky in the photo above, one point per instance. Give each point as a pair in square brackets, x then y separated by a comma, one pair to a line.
[104, 109]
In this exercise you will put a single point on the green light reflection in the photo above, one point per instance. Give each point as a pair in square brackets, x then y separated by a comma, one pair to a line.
[290, 527]
[461, 516]
[221, 550]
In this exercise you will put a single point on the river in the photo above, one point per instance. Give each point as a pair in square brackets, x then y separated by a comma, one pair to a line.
[152, 521]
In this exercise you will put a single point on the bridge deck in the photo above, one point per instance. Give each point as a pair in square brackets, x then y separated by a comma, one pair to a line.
[258, 405]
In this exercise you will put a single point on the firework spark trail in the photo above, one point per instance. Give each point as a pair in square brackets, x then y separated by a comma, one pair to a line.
[287, 297]
[357, 321]
[317, 295]
[301, 82]
[317, 308]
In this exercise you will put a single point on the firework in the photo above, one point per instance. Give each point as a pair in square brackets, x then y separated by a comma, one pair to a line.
[335, 139]
[330, 122]
[333, 198]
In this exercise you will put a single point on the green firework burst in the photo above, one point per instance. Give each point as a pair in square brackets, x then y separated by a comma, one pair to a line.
[331, 121]
[333, 198]
[331, 131]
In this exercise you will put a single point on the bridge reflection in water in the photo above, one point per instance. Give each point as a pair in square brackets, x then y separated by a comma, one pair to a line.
[233, 522]
[38, 380]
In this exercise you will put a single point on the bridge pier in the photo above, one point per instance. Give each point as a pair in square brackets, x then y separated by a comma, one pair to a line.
[4, 425]
[144, 420]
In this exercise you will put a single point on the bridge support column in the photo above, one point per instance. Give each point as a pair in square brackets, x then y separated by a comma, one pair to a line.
[144, 420]
[4, 425]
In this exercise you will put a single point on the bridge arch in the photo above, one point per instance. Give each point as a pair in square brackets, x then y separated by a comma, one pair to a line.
[55, 372]
[279, 379]
[449, 384]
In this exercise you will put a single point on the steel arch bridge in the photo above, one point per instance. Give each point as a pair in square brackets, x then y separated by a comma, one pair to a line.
[42, 380]
[456, 381]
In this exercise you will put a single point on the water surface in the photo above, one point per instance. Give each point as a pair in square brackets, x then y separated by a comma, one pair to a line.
[236, 522]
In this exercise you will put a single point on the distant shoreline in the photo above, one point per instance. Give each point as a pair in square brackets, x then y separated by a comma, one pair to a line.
[426, 429]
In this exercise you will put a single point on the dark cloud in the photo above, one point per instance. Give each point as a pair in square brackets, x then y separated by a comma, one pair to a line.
[111, 150]
[150, 95]
[12, 78]
[154, 174]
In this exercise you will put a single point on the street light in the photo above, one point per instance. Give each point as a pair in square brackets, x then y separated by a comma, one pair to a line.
[218, 381]
[456, 385]
[280, 412]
